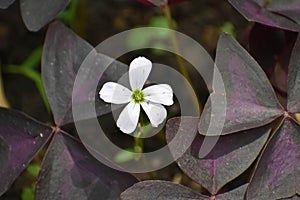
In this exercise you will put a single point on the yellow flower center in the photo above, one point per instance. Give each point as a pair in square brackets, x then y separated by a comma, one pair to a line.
[138, 96]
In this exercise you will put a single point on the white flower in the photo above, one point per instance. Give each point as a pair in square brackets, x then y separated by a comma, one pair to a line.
[151, 98]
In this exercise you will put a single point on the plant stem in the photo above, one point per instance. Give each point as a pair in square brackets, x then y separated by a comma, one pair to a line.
[138, 141]
[179, 60]
[3, 101]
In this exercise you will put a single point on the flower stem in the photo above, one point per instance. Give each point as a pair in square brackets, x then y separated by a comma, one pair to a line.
[179, 60]
[138, 141]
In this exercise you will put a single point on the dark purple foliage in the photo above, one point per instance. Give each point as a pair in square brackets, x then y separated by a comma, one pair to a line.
[252, 112]
[149, 190]
[277, 172]
[260, 127]
[251, 101]
[231, 156]
[293, 104]
[164, 190]
[273, 176]
[278, 168]
[62, 57]
[275, 13]
[36, 13]
[68, 170]
[21, 137]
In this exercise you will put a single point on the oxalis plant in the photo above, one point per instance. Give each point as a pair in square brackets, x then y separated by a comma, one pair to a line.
[68, 170]
[257, 154]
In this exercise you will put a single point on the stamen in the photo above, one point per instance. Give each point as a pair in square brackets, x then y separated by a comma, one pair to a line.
[138, 96]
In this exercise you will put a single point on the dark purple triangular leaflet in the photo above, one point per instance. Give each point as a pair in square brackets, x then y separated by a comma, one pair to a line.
[6, 3]
[160, 190]
[288, 8]
[21, 138]
[36, 13]
[235, 194]
[277, 174]
[258, 11]
[293, 104]
[165, 190]
[63, 55]
[68, 171]
[230, 156]
[251, 100]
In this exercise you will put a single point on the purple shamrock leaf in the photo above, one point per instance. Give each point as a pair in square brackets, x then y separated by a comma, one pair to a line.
[229, 158]
[293, 104]
[251, 101]
[21, 137]
[277, 171]
[67, 160]
[271, 13]
[63, 55]
[36, 13]
[164, 190]
[235, 194]
[277, 174]
[70, 172]
[288, 8]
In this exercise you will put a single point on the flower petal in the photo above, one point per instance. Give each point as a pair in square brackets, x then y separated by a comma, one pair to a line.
[139, 71]
[115, 93]
[162, 94]
[129, 118]
[155, 112]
